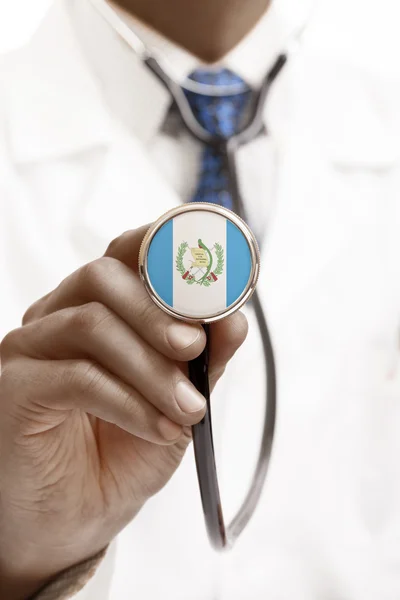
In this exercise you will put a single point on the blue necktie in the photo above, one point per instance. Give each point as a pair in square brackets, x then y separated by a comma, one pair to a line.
[221, 116]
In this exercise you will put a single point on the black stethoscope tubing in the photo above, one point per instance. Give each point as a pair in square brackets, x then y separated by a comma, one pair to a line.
[220, 535]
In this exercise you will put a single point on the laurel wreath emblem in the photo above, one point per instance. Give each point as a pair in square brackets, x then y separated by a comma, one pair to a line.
[179, 257]
[206, 281]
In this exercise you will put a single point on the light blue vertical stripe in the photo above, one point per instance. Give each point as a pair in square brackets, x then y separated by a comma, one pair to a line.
[160, 263]
[238, 263]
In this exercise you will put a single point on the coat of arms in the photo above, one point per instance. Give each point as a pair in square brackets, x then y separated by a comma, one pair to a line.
[200, 265]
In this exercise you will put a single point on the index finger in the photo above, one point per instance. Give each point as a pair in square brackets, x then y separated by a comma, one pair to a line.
[125, 247]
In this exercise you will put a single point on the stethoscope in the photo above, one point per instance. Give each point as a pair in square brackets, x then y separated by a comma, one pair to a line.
[221, 536]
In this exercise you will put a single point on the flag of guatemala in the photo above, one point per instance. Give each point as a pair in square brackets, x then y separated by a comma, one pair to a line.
[199, 263]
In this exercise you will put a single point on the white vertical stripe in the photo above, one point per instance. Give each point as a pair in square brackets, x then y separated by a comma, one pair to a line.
[196, 300]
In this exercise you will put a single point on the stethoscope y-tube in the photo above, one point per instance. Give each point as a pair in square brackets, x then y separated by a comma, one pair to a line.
[222, 536]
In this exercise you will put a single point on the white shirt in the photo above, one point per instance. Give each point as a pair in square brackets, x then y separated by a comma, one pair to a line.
[83, 156]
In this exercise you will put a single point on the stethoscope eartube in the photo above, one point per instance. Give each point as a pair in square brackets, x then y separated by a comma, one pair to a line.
[251, 130]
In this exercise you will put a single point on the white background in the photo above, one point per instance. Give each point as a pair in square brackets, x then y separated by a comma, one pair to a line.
[18, 19]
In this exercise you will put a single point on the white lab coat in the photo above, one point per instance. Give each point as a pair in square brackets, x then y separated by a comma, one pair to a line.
[328, 525]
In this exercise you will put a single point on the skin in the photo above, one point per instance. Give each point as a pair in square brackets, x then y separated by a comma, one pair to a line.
[208, 29]
[92, 414]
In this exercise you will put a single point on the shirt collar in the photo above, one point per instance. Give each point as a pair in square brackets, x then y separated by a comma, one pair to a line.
[136, 96]
[250, 59]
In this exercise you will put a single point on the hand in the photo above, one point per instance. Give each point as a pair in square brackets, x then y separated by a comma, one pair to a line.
[95, 414]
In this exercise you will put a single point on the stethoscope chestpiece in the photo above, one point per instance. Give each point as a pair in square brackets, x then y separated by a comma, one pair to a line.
[199, 262]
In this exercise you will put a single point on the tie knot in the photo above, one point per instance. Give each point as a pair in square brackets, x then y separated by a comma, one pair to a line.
[220, 112]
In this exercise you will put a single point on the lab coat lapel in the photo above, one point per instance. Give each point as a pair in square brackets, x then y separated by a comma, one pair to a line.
[322, 149]
[124, 191]
[311, 224]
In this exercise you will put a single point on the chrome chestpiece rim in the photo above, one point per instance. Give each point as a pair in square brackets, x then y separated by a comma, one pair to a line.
[199, 262]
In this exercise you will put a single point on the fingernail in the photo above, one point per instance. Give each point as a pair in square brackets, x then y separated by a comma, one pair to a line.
[188, 398]
[168, 429]
[182, 336]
